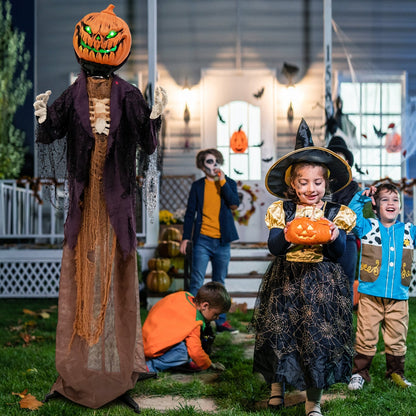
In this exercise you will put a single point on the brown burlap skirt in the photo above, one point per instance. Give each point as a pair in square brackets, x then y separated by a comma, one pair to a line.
[95, 375]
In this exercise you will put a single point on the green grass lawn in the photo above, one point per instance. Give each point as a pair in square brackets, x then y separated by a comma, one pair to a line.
[27, 362]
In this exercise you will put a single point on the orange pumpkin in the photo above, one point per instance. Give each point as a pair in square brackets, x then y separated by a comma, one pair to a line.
[171, 234]
[239, 141]
[102, 38]
[158, 281]
[308, 231]
[159, 264]
[168, 248]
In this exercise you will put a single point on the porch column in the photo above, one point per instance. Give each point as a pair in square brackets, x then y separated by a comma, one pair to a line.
[329, 108]
[152, 211]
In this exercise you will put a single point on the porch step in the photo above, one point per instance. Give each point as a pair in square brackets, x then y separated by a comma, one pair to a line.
[245, 271]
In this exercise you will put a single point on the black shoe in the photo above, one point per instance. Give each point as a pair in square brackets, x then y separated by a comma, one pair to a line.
[226, 327]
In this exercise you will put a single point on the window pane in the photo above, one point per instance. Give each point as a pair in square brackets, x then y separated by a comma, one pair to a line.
[350, 93]
[230, 117]
[223, 135]
[371, 98]
[369, 124]
[238, 115]
[254, 126]
[393, 172]
[255, 163]
[239, 166]
[371, 156]
[391, 98]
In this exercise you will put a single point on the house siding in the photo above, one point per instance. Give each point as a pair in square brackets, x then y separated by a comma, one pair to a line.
[197, 34]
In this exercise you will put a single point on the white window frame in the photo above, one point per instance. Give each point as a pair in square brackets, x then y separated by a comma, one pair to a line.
[373, 77]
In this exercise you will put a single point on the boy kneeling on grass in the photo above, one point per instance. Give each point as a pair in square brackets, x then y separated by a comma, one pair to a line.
[385, 272]
[173, 327]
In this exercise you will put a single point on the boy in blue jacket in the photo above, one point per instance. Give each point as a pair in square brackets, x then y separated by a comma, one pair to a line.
[209, 223]
[385, 273]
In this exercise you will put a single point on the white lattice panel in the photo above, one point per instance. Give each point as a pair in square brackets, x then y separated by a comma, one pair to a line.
[29, 273]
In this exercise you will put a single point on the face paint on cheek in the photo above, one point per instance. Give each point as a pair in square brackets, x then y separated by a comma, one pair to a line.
[210, 165]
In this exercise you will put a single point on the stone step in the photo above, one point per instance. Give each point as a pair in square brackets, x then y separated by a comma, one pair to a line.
[242, 288]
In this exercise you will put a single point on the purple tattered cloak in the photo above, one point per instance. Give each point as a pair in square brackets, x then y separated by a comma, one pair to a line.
[99, 347]
[69, 118]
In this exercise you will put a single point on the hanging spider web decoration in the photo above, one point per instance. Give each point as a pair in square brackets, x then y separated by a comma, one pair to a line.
[410, 128]
[151, 186]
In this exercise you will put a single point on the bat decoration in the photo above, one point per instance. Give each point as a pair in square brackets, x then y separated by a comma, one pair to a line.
[359, 170]
[238, 172]
[220, 117]
[260, 144]
[259, 93]
[379, 133]
[269, 159]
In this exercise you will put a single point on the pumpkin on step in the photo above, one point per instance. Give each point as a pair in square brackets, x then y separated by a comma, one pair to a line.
[159, 264]
[307, 231]
[171, 234]
[168, 248]
[158, 281]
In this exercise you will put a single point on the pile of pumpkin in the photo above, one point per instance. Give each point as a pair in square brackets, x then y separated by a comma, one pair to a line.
[163, 267]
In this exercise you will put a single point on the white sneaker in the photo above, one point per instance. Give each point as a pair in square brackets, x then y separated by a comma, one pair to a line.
[356, 382]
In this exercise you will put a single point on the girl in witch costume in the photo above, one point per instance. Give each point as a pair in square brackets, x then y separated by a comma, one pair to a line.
[302, 317]
[100, 120]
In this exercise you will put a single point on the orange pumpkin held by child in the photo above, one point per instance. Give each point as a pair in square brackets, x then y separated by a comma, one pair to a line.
[308, 231]
[102, 38]
[239, 141]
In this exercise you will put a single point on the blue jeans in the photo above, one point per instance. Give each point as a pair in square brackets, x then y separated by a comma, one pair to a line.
[204, 250]
[177, 355]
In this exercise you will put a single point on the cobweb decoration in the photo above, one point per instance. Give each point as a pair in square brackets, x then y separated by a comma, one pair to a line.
[409, 129]
[151, 186]
[52, 172]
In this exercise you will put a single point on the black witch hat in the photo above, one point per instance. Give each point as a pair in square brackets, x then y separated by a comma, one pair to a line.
[278, 177]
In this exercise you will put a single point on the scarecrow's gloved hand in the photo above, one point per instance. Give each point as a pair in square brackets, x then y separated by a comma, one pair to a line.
[161, 99]
[40, 106]
[217, 367]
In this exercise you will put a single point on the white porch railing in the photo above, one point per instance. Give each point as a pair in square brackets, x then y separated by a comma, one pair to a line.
[26, 211]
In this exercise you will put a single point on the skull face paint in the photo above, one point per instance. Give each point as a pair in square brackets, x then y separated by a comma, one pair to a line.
[211, 166]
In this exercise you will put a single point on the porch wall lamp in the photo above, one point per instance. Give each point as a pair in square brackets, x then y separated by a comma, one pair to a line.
[186, 90]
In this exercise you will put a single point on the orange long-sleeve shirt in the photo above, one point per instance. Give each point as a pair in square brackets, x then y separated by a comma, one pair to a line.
[211, 210]
[173, 319]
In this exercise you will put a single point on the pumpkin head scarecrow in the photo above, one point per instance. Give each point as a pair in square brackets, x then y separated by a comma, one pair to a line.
[101, 120]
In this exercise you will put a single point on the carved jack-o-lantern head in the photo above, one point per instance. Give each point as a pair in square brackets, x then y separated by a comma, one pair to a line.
[102, 38]
[239, 141]
[308, 231]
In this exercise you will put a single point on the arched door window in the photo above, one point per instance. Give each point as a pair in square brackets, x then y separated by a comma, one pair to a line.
[242, 163]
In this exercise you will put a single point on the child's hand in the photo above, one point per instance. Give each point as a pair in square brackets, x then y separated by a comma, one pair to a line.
[182, 247]
[217, 367]
[334, 232]
[370, 193]
[220, 175]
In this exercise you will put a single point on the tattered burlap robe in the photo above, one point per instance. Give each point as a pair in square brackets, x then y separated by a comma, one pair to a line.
[99, 349]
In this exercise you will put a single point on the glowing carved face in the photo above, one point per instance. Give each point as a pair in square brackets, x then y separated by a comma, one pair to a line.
[308, 231]
[102, 38]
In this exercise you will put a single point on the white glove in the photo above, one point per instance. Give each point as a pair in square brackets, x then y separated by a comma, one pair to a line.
[40, 106]
[161, 99]
[217, 367]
